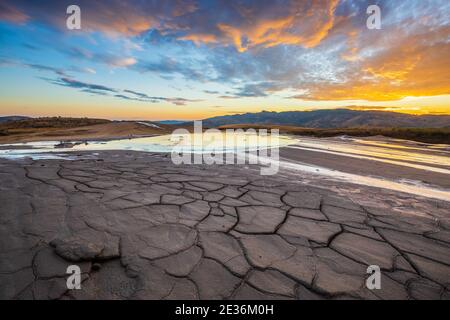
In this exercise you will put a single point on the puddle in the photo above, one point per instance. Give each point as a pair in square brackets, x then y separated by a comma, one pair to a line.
[189, 143]
[393, 152]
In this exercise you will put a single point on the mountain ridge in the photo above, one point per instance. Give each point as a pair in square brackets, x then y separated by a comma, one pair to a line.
[12, 118]
[335, 118]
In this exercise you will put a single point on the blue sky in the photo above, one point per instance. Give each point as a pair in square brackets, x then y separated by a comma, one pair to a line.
[195, 59]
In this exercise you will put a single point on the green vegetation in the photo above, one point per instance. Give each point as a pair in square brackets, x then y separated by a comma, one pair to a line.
[53, 122]
[27, 126]
[427, 135]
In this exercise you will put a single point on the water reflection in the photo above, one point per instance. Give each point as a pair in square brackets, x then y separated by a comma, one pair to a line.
[382, 151]
[190, 143]
[432, 158]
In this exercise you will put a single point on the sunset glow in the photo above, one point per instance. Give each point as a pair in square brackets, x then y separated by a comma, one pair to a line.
[194, 59]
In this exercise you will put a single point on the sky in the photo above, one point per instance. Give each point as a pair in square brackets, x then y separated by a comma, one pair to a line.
[195, 59]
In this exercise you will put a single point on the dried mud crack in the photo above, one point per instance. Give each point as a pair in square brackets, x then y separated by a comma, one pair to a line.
[140, 227]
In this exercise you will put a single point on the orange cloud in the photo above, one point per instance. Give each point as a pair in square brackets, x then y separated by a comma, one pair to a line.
[11, 14]
[417, 65]
[118, 22]
[299, 27]
[124, 62]
[200, 38]
[294, 22]
[323, 27]
[352, 53]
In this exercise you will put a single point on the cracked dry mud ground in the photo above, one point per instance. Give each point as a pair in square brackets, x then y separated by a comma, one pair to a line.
[142, 228]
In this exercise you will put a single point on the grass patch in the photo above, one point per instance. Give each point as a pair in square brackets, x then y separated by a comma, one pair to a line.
[53, 122]
[30, 126]
[427, 135]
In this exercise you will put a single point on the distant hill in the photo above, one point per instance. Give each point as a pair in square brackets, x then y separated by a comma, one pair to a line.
[75, 129]
[12, 118]
[336, 118]
[171, 122]
[48, 122]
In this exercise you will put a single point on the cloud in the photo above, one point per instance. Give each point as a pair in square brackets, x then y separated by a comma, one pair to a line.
[200, 38]
[365, 108]
[250, 90]
[16, 63]
[299, 25]
[68, 82]
[113, 18]
[83, 70]
[228, 97]
[116, 93]
[109, 59]
[211, 91]
[181, 101]
[314, 50]
[414, 64]
[168, 67]
[6, 62]
[40, 67]
[139, 96]
[243, 25]
[11, 14]
[117, 61]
